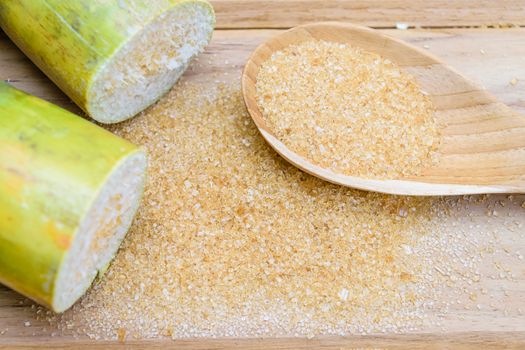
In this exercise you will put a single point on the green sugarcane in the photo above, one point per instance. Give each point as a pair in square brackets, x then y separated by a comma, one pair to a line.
[113, 58]
[68, 192]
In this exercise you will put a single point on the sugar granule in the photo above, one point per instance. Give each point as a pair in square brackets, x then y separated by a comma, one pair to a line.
[348, 110]
[231, 240]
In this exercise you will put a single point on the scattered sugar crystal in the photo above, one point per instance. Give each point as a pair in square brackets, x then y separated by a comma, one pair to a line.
[402, 26]
[343, 294]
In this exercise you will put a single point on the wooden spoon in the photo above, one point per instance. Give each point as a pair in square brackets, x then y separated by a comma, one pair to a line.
[483, 141]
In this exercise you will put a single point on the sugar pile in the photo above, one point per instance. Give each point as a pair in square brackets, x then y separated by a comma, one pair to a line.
[347, 110]
[233, 241]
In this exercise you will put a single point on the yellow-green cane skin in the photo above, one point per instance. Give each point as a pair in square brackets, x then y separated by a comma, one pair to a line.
[52, 165]
[71, 40]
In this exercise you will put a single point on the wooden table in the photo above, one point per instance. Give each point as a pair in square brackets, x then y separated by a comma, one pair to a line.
[484, 39]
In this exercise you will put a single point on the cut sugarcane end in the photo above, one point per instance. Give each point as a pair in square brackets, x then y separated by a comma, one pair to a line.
[150, 63]
[101, 231]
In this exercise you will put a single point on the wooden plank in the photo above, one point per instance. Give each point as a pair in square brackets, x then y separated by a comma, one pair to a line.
[461, 341]
[375, 13]
[490, 57]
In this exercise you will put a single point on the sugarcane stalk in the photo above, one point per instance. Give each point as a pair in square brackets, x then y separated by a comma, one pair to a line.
[113, 58]
[68, 193]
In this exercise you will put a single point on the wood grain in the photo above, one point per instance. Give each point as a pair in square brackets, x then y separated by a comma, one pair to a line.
[492, 58]
[461, 341]
[240, 14]
[470, 159]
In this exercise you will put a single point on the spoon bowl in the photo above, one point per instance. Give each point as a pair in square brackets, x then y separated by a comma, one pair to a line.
[482, 148]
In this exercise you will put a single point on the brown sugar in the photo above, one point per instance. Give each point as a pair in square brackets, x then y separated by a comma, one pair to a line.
[348, 110]
[231, 240]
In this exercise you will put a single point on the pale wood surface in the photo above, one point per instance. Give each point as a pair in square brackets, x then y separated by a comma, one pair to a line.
[483, 145]
[374, 13]
[502, 59]
[461, 341]
[489, 57]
